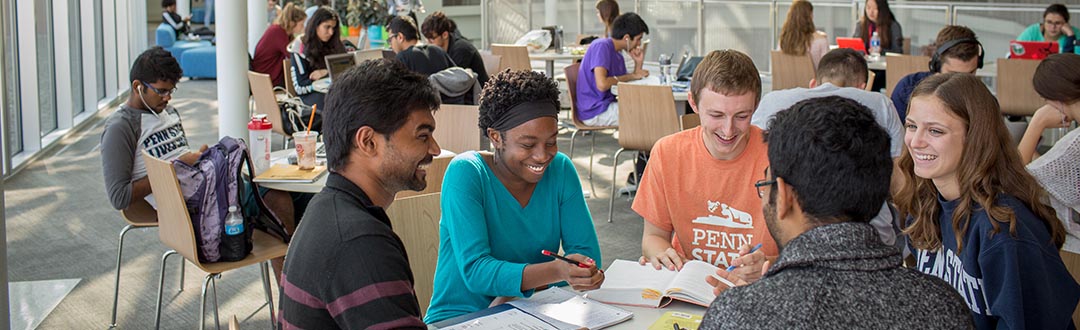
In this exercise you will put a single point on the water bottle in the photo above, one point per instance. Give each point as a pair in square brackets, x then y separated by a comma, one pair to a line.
[234, 223]
[665, 69]
[875, 46]
[259, 134]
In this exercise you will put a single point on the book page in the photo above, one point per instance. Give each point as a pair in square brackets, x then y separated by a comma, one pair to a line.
[629, 277]
[690, 283]
[513, 319]
[567, 310]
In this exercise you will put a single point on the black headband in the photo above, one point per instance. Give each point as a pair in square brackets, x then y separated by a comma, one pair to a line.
[525, 111]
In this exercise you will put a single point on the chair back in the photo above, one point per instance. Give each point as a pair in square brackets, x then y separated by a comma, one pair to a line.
[492, 63]
[898, 66]
[416, 221]
[262, 89]
[234, 324]
[646, 114]
[288, 77]
[906, 46]
[690, 120]
[174, 223]
[1015, 91]
[513, 57]
[790, 71]
[456, 127]
[435, 173]
[571, 73]
[870, 75]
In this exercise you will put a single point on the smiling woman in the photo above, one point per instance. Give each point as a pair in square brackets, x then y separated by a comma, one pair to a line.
[499, 212]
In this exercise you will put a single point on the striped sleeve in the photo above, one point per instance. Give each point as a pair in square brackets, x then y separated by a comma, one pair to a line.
[301, 82]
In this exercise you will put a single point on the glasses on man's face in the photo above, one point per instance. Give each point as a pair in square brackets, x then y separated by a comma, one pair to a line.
[761, 184]
[160, 92]
[1054, 23]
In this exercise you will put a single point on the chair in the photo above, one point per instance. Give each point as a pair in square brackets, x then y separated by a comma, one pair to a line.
[870, 75]
[491, 62]
[513, 57]
[234, 324]
[646, 114]
[571, 73]
[906, 45]
[262, 89]
[898, 66]
[1015, 92]
[416, 221]
[199, 62]
[790, 71]
[288, 78]
[176, 232]
[435, 173]
[690, 120]
[165, 36]
[138, 215]
[456, 128]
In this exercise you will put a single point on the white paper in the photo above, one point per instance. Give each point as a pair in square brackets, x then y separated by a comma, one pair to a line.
[567, 310]
[512, 319]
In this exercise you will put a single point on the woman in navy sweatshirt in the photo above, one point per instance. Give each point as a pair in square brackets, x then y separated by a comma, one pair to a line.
[974, 213]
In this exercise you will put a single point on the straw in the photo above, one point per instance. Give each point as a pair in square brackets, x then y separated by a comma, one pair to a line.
[312, 119]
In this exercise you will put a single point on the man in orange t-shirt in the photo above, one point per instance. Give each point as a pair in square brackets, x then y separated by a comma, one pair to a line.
[697, 195]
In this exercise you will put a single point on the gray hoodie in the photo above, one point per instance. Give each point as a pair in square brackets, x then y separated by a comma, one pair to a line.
[455, 82]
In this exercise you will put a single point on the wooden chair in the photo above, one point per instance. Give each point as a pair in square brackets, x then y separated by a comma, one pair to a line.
[288, 77]
[262, 89]
[790, 71]
[176, 232]
[870, 75]
[906, 45]
[513, 57]
[138, 215]
[571, 73]
[234, 324]
[456, 127]
[416, 220]
[646, 114]
[492, 63]
[1015, 91]
[435, 173]
[690, 120]
[898, 66]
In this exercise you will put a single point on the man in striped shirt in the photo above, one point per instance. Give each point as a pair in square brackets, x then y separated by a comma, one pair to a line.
[346, 269]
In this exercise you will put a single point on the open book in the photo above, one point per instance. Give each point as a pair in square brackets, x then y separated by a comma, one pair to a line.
[554, 308]
[290, 174]
[629, 283]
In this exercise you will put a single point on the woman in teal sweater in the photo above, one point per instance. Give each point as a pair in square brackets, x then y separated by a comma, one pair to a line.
[1054, 27]
[500, 211]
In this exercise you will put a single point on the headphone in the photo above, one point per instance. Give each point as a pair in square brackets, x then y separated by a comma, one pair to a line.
[935, 61]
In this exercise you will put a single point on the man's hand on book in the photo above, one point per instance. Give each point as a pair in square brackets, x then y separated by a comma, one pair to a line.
[668, 259]
[749, 266]
[583, 279]
[730, 278]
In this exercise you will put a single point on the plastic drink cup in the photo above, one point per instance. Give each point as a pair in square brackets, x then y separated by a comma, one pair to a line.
[305, 148]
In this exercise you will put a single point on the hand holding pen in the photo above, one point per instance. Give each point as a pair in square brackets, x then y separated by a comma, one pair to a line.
[582, 271]
[750, 263]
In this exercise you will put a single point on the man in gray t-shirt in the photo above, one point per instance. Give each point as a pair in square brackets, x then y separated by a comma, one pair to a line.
[842, 72]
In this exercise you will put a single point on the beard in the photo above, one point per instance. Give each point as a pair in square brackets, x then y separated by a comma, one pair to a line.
[399, 173]
[771, 222]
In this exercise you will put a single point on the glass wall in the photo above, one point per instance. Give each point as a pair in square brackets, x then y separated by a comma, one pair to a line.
[75, 51]
[11, 117]
[46, 75]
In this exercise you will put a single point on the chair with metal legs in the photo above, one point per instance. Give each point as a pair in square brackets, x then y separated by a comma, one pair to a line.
[177, 233]
[139, 215]
[646, 114]
[571, 73]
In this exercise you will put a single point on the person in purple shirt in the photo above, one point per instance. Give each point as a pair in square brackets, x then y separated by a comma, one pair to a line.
[603, 67]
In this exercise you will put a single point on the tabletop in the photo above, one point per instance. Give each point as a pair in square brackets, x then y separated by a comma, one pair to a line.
[680, 96]
[282, 157]
[551, 56]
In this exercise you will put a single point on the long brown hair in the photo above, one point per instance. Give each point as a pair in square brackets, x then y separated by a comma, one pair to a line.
[289, 17]
[884, 23]
[798, 29]
[989, 166]
[609, 10]
[1058, 78]
[314, 48]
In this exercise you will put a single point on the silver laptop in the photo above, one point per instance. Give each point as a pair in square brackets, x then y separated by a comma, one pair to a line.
[338, 63]
[374, 54]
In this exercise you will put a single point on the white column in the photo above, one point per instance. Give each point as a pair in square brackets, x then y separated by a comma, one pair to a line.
[232, 63]
[256, 13]
[183, 7]
[551, 11]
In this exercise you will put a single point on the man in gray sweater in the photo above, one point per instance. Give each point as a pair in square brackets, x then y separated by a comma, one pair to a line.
[829, 174]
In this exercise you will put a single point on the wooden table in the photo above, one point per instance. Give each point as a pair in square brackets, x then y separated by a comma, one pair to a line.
[282, 157]
[549, 58]
[989, 69]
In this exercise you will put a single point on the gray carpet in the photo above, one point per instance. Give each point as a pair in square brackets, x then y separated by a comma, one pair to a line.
[60, 226]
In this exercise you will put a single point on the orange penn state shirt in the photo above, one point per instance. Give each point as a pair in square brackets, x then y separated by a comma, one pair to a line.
[711, 205]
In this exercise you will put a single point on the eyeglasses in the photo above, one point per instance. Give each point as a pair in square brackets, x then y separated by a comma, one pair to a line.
[163, 93]
[1055, 23]
[763, 183]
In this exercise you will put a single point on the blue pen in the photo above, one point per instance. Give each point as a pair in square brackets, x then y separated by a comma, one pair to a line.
[756, 247]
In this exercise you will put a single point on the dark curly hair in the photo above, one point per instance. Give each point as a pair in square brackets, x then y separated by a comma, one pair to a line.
[437, 23]
[154, 65]
[314, 48]
[510, 88]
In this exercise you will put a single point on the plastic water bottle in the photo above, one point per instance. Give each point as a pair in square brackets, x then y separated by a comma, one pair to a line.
[259, 134]
[665, 69]
[875, 46]
[234, 223]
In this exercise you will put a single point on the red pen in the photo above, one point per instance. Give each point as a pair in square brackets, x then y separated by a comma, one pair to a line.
[557, 256]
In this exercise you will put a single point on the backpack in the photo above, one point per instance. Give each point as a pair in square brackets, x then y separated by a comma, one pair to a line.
[213, 184]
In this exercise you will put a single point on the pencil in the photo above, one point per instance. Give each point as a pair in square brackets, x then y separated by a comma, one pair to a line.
[557, 256]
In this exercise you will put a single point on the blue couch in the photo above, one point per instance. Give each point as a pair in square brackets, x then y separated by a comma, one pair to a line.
[165, 36]
[200, 62]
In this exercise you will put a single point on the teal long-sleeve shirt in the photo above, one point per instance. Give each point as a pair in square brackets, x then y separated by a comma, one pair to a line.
[486, 238]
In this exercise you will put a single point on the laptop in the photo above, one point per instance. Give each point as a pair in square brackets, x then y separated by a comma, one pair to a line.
[852, 43]
[1032, 50]
[374, 54]
[338, 63]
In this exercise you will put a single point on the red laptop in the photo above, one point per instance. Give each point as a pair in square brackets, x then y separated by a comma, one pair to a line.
[853, 43]
[1032, 50]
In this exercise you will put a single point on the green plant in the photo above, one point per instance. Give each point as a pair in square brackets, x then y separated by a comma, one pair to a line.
[353, 15]
[372, 12]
